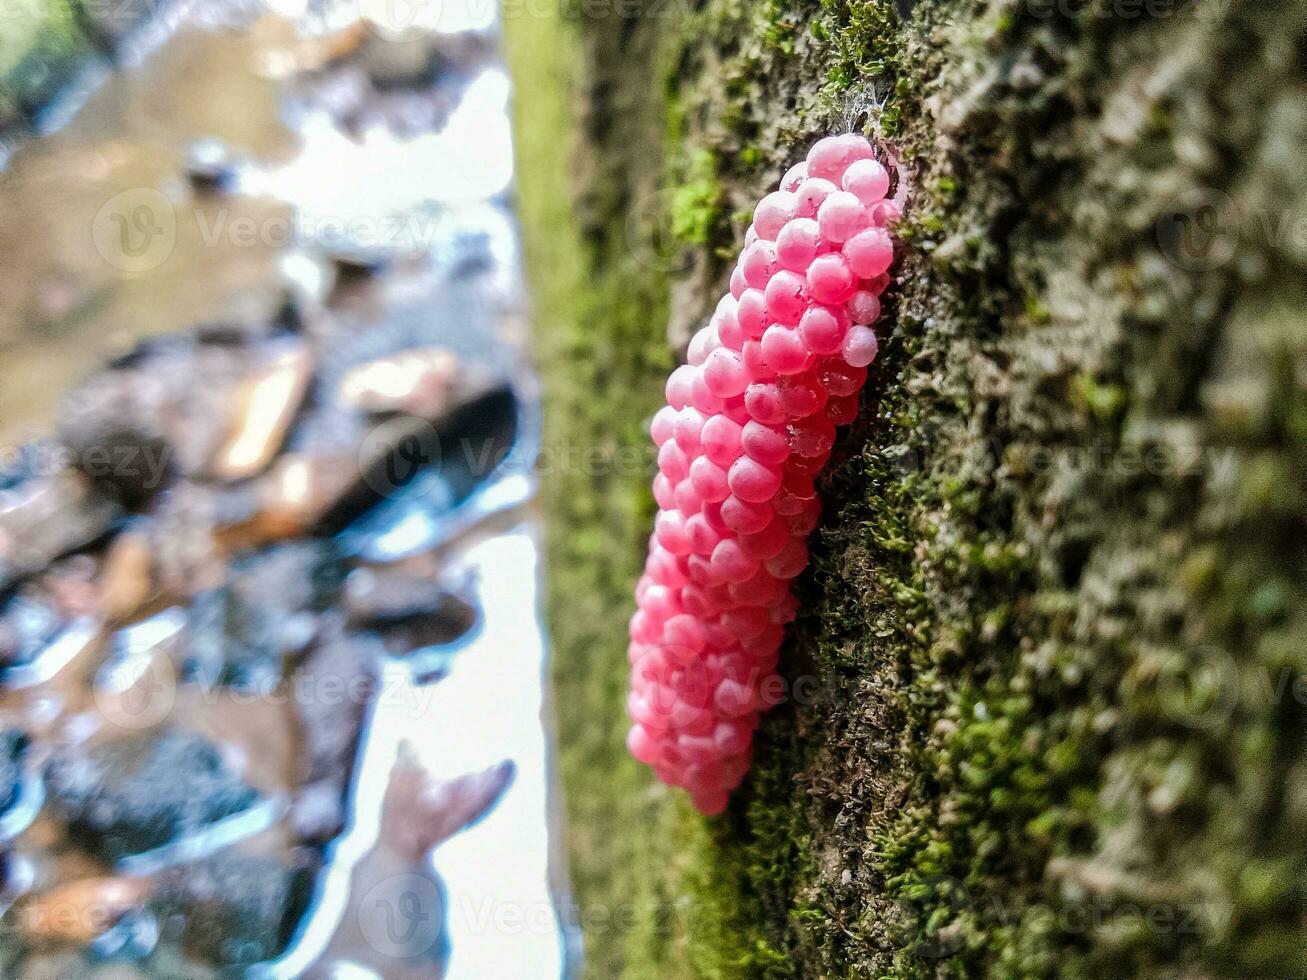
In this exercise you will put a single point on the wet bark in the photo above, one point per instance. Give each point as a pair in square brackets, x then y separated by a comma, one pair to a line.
[1050, 709]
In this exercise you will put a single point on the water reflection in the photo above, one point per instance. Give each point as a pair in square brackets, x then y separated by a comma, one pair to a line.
[289, 205]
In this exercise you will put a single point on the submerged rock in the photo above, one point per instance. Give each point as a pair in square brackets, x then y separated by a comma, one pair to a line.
[48, 516]
[132, 795]
[234, 910]
[159, 411]
[241, 632]
[13, 753]
[29, 620]
[334, 688]
[410, 611]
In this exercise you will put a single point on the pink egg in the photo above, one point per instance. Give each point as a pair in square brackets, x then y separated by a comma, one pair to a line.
[721, 440]
[672, 462]
[772, 212]
[669, 526]
[745, 517]
[802, 395]
[886, 213]
[686, 429]
[810, 196]
[864, 307]
[869, 253]
[679, 386]
[661, 428]
[749, 424]
[811, 436]
[751, 481]
[756, 365]
[860, 346]
[831, 279]
[840, 378]
[823, 328]
[784, 350]
[709, 480]
[841, 216]
[767, 444]
[828, 158]
[794, 176]
[763, 400]
[731, 562]
[686, 498]
[791, 561]
[866, 180]
[724, 373]
[752, 314]
[841, 410]
[787, 296]
[758, 263]
[738, 285]
[767, 543]
[642, 745]
[797, 244]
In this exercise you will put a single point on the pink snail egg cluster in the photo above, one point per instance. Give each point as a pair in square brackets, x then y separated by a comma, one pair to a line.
[749, 421]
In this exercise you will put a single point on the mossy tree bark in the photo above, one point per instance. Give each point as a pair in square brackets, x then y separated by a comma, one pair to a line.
[1053, 647]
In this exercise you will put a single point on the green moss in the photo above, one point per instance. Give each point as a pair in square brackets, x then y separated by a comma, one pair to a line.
[1023, 753]
[696, 200]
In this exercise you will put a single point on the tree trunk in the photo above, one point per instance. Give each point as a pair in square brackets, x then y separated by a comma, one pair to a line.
[1049, 699]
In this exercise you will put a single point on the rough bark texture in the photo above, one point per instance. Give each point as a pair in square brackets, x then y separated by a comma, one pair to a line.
[1053, 711]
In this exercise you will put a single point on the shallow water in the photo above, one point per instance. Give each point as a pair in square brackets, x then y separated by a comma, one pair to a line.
[316, 190]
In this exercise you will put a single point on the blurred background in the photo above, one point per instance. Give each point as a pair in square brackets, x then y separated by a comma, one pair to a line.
[329, 342]
[273, 671]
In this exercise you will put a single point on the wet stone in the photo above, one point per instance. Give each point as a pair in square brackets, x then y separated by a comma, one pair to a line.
[29, 620]
[334, 687]
[132, 795]
[410, 611]
[416, 382]
[235, 910]
[158, 411]
[13, 752]
[261, 414]
[241, 633]
[46, 517]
